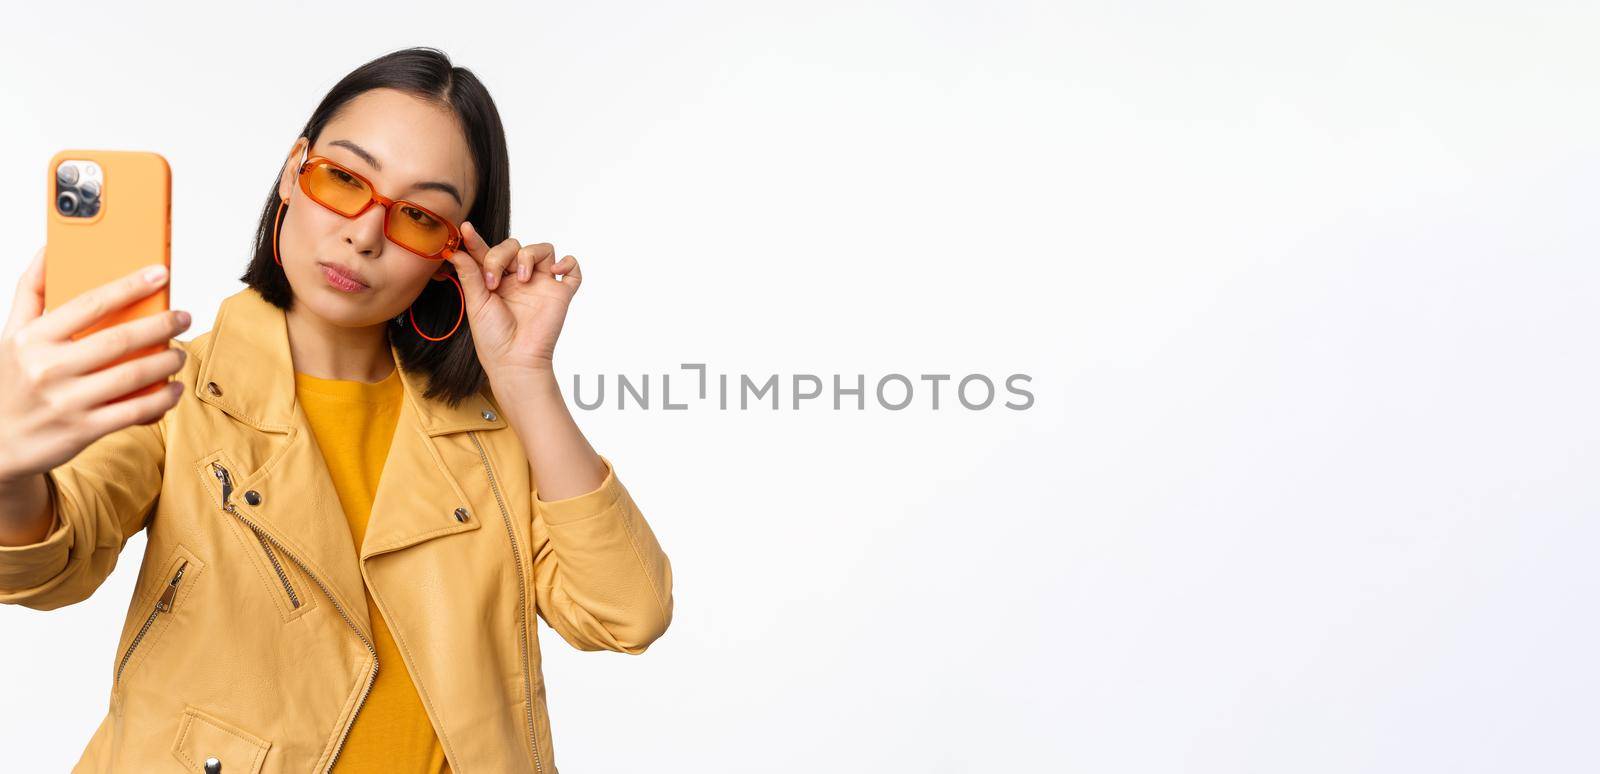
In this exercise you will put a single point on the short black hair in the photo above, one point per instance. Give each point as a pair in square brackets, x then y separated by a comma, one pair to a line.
[452, 367]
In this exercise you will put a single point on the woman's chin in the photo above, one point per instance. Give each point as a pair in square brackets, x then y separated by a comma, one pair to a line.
[347, 310]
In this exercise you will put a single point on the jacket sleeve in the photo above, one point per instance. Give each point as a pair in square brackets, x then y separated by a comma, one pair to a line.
[600, 578]
[99, 499]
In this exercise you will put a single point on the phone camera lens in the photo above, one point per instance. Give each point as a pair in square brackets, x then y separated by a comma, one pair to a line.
[90, 190]
[67, 203]
[66, 174]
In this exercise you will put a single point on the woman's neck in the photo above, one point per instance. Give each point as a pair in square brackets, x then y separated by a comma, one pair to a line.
[327, 351]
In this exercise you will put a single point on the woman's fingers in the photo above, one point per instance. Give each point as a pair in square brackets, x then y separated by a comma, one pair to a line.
[473, 241]
[134, 411]
[500, 256]
[95, 389]
[469, 270]
[566, 270]
[530, 257]
[95, 351]
[29, 301]
[510, 256]
[87, 308]
[491, 260]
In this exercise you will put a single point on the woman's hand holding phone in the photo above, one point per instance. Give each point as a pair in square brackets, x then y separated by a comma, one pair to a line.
[56, 395]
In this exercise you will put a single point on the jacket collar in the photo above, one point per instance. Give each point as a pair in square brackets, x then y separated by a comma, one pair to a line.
[247, 372]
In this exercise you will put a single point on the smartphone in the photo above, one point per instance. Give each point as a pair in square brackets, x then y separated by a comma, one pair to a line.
[109, 213]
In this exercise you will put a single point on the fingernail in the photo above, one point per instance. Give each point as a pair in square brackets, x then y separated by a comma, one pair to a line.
[183, 319]
[155, 274]
[489, 279]
[522, 272]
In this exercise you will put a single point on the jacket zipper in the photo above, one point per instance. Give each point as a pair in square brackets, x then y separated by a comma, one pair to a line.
[162, 605]
[345, 732]
[522, 599]
[227, 489]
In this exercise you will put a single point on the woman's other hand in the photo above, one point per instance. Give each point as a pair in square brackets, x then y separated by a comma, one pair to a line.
[517, 298]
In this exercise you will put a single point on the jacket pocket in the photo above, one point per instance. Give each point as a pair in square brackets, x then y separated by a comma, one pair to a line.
[161, 604]
[278, 570]
[203, 736]
[275, 571]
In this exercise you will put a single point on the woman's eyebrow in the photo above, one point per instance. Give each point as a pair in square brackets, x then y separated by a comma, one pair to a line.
[432, 185]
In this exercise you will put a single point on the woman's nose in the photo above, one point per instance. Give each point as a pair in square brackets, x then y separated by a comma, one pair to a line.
[365, 231]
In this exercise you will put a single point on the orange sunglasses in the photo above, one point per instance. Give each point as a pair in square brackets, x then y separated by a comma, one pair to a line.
[407, 224]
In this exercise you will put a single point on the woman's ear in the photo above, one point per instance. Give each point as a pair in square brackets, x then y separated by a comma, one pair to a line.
[286, 178]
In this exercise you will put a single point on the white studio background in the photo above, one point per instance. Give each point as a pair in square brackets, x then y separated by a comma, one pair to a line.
[1307, 295]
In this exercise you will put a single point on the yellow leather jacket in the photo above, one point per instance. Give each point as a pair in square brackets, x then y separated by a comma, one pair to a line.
[247, 638]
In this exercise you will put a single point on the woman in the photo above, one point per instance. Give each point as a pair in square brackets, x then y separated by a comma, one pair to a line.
[362, 486]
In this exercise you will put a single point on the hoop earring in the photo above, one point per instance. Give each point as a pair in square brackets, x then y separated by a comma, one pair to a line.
[275, 221]
[459, 315]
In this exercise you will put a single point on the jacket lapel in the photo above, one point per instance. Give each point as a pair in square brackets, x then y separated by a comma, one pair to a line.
[249, 363]
[420, 490]
[247, 372]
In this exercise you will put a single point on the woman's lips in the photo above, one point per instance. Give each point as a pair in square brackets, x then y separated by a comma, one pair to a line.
[341, 279]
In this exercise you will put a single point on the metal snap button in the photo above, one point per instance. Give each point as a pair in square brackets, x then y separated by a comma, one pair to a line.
[461, 514]
[213, 766]
[212, 388]
[253, 497]
[489, 415]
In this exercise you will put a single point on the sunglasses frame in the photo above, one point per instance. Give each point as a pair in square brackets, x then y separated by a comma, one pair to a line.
[452, 243]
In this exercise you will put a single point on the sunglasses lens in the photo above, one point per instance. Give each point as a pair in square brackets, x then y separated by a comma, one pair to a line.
[417, 229]
[409, 225]
[337, 189]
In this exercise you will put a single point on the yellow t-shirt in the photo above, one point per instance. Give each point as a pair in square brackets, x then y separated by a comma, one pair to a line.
[354, 423]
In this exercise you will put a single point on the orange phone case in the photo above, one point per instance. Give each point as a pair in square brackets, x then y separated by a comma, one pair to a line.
[132, 229]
